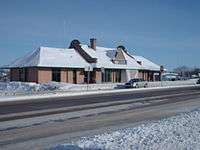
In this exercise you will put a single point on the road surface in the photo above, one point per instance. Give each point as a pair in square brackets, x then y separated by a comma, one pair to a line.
[94, 115]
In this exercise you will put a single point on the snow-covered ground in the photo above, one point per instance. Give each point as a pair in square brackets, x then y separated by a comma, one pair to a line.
[172, 83]
[28, 88]
[18, 88]
[178, 132]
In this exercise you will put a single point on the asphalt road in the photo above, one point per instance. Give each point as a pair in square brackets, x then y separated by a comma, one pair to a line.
[45, 135]
[63, 102]
[48, 134]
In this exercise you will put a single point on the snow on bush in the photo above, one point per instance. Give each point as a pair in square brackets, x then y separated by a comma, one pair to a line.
[178, 132]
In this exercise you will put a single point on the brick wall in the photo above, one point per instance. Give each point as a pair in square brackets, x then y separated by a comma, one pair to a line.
[80, 76]
[64, 75]
[98, 76]
[70, 76]
[44, 75]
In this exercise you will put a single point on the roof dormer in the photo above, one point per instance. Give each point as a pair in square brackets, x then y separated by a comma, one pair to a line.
[119, 56]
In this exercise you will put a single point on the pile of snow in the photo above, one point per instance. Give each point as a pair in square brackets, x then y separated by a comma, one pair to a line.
[172, 83]
[12, 88]
[178, 132]
[9, 88]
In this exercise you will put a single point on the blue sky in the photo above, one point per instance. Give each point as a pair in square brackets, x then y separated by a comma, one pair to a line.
[165, 31]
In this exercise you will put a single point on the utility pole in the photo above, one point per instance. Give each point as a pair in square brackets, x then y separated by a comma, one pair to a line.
[88, 69]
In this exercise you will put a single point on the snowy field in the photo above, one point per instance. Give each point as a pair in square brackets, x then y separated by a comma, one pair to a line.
[25, 88]
[180, 132]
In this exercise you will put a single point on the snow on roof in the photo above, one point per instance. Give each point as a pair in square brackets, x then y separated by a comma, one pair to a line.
[51, 57]
[30, 59]
[105, 55]
[147, 64]
[131, 61]
[70, 58]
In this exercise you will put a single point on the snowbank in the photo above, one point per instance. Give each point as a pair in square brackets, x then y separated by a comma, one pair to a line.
[172, 83]
[13, 88]
[17, 88]
[7, 88]
[178, 132]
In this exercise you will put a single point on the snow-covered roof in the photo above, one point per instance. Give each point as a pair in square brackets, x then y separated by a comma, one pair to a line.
[147, 64]
[105, 55]
[51, 57]
[70, 58]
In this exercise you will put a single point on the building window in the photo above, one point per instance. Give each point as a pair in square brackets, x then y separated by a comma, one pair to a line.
[56, 75]
[108, 75]
[23, 74]
[118, 76]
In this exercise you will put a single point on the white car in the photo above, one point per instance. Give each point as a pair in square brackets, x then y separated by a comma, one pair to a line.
[136, 83]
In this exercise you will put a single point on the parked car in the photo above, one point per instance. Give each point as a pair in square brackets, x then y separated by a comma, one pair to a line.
[198, 82]
[136, 83]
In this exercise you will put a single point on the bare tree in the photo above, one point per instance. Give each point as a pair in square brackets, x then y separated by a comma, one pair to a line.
[185, 71]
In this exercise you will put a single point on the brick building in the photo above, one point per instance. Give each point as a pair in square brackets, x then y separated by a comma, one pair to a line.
[82, 63]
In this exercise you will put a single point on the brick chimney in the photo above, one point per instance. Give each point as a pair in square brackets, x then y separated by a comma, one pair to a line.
[93, 43]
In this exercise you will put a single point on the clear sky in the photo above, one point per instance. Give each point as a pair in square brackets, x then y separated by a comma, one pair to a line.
[165, 31]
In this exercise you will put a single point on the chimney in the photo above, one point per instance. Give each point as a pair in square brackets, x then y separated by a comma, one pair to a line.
[93, 43]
